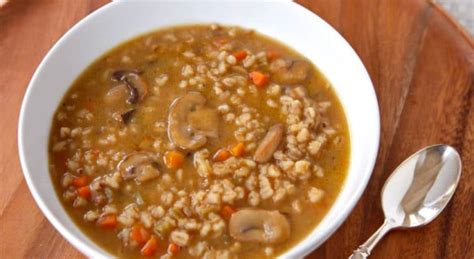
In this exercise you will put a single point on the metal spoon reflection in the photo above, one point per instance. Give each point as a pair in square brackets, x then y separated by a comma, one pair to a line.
[416, 192]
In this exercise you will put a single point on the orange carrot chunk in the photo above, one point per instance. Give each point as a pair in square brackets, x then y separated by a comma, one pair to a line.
[139, 234]
[259, 79]
[272, 54]
[173, 248]
[221, 155]
[107, 221]
[238, 150]
[240, 55]
[80, 181]
[84, 192]
[150, 247]
[227, 212]
[174, 159]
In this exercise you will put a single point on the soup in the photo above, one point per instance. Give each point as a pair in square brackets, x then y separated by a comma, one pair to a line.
[199, 141]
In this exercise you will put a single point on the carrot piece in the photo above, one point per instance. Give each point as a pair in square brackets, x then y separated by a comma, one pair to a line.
[259, 79]
[173, 248]
[80, 181]
[238, 150]
[221, 155]
[174, 159]
[240, 55]
[139, 234]
[227, 212]
[107, 221]
[84, 192]
[272, 54]
[150, 247]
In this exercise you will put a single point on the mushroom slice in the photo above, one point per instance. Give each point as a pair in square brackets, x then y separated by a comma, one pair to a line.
[140, 166]
[119, 75]
[136, 87]
[117, 95]
[289, 71]
[257, 225]
[204, 121]
[148, 172]
[190, 122]
[269, 144]
[124, 116]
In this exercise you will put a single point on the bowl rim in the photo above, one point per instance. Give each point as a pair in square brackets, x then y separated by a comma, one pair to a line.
[92, 252]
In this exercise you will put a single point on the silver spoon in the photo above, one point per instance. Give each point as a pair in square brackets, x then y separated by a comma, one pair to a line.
[416, 192]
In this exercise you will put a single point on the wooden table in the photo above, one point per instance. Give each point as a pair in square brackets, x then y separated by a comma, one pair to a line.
[422, 66]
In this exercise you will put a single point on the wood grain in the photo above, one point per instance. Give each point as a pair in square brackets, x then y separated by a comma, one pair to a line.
[422, 66]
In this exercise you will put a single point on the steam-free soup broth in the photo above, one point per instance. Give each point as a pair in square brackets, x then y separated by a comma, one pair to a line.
[199, 141]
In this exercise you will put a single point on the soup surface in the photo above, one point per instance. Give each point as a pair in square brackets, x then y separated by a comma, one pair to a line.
[199, 141]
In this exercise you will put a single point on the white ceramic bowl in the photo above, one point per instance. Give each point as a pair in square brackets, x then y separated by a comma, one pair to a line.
[121, 20]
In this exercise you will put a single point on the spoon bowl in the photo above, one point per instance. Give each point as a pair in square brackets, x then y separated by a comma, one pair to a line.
[416, 192]
[421, 187]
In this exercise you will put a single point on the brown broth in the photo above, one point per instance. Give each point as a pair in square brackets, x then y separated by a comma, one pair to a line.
[154, 55]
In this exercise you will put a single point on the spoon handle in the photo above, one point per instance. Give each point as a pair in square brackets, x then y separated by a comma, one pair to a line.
[365, 249]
